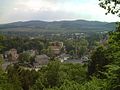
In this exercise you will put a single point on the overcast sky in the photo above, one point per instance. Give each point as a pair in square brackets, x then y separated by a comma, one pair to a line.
[51, 10]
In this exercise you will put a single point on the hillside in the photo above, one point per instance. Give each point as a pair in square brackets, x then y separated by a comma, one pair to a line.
[70, 26]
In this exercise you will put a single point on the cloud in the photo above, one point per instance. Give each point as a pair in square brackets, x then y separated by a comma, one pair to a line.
[18, 10]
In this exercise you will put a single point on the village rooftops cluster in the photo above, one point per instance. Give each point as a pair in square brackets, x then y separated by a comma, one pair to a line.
[39, 60]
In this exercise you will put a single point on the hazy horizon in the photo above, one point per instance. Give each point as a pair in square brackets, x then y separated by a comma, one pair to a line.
[53, 10]
[58, 21]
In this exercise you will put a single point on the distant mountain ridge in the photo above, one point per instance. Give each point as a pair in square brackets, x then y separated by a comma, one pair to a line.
[79, 25]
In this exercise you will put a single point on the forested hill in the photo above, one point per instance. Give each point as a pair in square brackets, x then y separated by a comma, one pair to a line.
[78, 25]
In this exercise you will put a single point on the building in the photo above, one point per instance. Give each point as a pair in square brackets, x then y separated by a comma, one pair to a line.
[41, 60]
[56, 47]
[85, 59]
[6, 54]
[56, 43]
[74, 61]
[11, 55]
[63, 57]
[55, 50]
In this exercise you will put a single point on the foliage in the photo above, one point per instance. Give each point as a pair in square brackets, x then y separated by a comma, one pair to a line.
[19, 77]
[98, 61]
[112, 6]
[105, 63]
[24, 58]
[76, 46]
[22, 44]
[57, 75]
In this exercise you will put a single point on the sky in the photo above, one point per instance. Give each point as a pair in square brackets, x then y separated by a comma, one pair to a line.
[53, 10]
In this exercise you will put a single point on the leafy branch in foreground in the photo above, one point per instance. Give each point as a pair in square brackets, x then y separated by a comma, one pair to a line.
[112, 6]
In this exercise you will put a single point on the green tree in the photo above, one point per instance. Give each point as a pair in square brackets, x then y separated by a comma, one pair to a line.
[13, 77]
[98, 61]
[25, 58]
[52, 73]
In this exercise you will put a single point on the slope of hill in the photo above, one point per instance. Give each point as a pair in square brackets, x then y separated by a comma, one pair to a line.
[76, 25]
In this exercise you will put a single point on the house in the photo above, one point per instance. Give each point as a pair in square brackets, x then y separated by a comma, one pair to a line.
[55, 50]
[85, 59]
[73, 61]
[11, 55]
[6, 54]
[41, 60]
[81, 60]
[56, 43]
[64, 57]
[56, 47]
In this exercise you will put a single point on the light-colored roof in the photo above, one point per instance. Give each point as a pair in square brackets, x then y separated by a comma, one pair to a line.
[73, 61]
[13, 49]
[64, 55]
[42, 56]
[55, 47]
